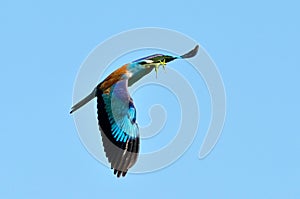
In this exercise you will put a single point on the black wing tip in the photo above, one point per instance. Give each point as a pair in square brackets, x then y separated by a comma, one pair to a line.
[119, 173]
[191, 53]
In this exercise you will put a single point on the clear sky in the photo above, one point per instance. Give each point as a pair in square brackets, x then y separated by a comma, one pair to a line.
[255, 46]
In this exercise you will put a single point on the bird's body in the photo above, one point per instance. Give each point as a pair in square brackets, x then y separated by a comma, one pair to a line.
[116, 111]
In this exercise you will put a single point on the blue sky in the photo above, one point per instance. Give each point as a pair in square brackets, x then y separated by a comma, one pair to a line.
[255, 46]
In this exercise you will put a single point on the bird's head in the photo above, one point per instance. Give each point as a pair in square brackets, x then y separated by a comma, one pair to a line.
[154, 61]
[157, 60]
[141, 67]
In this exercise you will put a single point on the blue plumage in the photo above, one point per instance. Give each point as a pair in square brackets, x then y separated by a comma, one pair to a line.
[116, 111]
[119, 130]
[123, 123]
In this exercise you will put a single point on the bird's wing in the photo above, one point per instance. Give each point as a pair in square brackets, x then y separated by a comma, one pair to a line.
[119, 130]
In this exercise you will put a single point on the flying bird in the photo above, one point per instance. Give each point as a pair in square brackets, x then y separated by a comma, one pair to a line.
[116, 110]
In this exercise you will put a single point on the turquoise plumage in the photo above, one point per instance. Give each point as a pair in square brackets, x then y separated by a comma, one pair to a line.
[121, 112]
[116, 111]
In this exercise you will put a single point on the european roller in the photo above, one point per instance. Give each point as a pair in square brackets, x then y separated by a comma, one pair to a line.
[116, 111]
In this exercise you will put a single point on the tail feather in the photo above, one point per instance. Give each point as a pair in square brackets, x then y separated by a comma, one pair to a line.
[83, 101]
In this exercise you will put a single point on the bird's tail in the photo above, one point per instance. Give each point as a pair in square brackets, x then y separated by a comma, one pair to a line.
[83, 101]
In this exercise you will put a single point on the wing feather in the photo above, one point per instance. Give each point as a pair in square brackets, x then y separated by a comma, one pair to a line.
[119, 130]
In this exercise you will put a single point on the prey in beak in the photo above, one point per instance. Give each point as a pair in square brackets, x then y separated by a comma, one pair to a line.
[158, 60]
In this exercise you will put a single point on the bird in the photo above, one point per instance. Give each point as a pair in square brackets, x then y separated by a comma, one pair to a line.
[116, 111]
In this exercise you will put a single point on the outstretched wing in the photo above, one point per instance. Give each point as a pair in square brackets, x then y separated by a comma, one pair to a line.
[119, 130]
